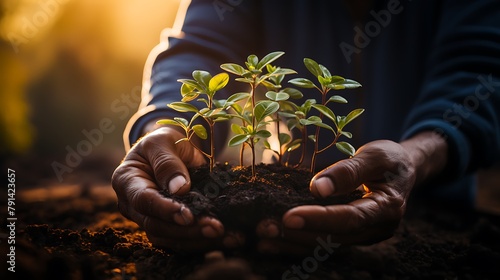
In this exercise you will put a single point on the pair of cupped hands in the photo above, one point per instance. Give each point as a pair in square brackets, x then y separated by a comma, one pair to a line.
[388, 169]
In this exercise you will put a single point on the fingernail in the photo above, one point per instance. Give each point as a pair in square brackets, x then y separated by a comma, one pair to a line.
[183, 217]
[272, 230]
[294, 222]
[176, 183]
[324, 186]
[209, 232]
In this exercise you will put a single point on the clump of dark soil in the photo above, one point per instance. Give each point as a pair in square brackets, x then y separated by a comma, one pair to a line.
[240, 203]
[76, 232]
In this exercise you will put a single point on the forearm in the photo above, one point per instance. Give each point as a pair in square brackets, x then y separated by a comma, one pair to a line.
[428, 152]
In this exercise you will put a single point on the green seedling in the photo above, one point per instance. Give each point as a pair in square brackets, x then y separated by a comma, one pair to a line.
[206, 86]
[254, 113]
[326, 83]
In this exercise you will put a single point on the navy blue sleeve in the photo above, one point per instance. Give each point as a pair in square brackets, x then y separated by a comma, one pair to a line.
[206, 34]
[460, 98]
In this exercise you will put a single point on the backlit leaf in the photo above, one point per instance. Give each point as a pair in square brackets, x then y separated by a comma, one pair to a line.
[268, 59]
[313, 67]
[233, 68]
[200, 131]
[238, 139]
[302, 82]
[218, 82]
[183, 107]
[345, 148]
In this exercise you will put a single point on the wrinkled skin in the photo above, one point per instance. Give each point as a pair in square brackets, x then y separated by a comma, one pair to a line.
[155, 163]
[388, 169]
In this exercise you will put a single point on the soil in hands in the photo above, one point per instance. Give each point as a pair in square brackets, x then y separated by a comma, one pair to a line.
[240, 203]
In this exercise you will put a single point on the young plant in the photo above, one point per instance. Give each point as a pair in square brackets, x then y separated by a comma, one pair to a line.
[253, 114]
[282, 97]
[204, 85]
[326, 82]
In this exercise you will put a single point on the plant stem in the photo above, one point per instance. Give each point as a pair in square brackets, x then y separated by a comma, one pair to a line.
[280, 154]
[316, 135]
[212, 145]
[252, 144]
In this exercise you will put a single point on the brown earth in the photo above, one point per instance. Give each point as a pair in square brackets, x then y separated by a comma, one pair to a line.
[76, 232]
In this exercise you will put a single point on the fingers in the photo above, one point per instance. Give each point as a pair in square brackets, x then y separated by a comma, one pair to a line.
[366, 220]
[373, 165]
[167, 159]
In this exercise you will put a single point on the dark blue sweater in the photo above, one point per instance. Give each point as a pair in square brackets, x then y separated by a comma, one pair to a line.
[424, 65]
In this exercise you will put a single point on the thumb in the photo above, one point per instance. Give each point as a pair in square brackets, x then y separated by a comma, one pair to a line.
[342, 177]
[367, 166]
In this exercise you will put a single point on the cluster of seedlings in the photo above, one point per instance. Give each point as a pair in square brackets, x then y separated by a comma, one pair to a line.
[253, 116]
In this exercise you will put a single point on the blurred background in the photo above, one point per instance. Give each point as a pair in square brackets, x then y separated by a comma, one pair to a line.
[70, 75]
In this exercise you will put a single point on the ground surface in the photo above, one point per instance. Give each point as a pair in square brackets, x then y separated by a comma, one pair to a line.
[75, 232]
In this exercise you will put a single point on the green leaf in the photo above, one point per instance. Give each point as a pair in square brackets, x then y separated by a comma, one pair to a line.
[284, 138]
[345, 148]
[218, 82]
[337, 79]
[325, 71]
[302, 82]
[244, 80]
[269, 85]
[252, 60]
[235, 98]
[182, 121]
[219, 103]
[327, 112]
[183, 107]
[353, 114]
[312, 138]
[264, 109]
[324, 125]
[310, 120]
[271, 68]
[202, 77]
[191, 83]
[263, 134]
[168, 122]
[337, 99]
[238, 139]
[346, 134]
[268, 59]
[346, 84]
[282, 71]
[313, 67]
[190, 97]
[323, 81]
[187, 89]
[293, 93]
[233, 68]
[200, 131]
[237, 129]
[267, 145]
[277, 96]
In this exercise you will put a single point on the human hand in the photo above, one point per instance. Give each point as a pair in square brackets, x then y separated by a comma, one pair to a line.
[388, 169]
[156, 163]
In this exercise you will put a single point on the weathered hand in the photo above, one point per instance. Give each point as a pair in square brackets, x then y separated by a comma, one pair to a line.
[388, 169]
[157, 163]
